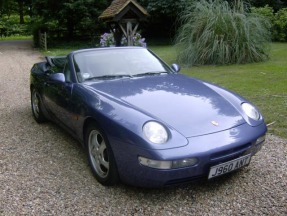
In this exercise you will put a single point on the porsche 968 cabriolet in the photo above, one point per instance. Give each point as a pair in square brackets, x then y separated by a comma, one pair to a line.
[140, 121]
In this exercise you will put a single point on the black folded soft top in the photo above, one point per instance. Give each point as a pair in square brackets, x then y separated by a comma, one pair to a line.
[56, 61]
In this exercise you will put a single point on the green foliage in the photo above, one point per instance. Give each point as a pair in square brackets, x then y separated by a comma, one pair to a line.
[70, 18]
[163, 16]
[164, 7]
[15, 7]
[265, 11]
[215, 33]
[164, 13]
[280, 25]
[278, 21]
[9, 26]
[275, 4]
[17, 37]
[7, 7]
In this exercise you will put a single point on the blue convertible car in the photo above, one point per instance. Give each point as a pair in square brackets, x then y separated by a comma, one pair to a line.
[140, 121]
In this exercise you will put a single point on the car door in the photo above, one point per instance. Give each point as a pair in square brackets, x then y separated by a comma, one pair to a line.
[58, 98]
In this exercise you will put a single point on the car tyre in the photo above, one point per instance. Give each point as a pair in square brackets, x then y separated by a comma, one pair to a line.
[100, 156]
[37, 106]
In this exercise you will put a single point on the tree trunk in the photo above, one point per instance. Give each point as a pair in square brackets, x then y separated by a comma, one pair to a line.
[70, 27]
[21, 11]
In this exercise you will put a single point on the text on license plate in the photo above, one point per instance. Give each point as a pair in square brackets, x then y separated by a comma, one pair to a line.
[229, 166]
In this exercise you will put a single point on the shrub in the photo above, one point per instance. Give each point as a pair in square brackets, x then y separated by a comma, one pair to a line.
[9, 26]
[214, 32]
[278, 20]
[265, 11]
[280, 25]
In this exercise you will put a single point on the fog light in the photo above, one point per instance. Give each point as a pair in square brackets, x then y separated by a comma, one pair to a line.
[260, 140]
[167, 164]
[184, 162]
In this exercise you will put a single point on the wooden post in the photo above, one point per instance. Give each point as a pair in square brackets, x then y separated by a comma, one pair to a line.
[128, 30]
[43, 40]
[118, 34]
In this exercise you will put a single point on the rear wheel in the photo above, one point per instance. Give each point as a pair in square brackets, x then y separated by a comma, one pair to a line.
[36, 106]
[101, 157]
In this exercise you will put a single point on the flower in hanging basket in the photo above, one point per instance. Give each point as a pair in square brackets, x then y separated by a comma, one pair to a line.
[107, 40]
[138, 40]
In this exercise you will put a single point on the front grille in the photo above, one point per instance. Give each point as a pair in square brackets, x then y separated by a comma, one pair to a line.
[186, 180]
[230, 152]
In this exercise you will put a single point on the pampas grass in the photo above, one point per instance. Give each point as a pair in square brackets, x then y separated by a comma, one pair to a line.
[217, 33]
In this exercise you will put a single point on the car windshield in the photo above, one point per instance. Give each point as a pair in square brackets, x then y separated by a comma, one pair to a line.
[117, 63]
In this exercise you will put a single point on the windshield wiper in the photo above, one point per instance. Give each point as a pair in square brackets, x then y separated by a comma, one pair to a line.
[149, 74]
[109, 77]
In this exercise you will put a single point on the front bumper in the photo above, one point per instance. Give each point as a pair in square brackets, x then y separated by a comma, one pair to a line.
[210, 150]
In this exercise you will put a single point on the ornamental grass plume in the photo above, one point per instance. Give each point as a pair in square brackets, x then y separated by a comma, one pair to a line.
[218, 33]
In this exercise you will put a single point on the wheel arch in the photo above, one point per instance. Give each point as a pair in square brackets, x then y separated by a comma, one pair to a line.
[92, 122]
[87, 123]
[32, 86]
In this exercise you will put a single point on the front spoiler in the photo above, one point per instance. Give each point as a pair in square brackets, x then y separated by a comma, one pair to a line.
[210, 150]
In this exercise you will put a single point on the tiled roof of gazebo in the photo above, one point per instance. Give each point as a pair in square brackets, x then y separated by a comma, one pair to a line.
[117, 6]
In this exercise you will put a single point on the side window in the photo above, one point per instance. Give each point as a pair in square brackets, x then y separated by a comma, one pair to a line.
[67, 72]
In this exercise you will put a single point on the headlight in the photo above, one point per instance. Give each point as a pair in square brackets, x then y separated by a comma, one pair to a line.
[250, 111]
[155, 132]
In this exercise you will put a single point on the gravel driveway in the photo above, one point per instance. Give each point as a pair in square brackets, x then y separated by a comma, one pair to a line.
[45, 172]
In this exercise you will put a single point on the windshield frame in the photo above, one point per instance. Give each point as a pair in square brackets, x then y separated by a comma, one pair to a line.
[80, 78]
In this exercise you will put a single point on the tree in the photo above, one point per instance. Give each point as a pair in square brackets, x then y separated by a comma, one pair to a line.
[168, 8]
[21, 10]
[73, 16]
[7, 7]
[164, 14]
[20, 7]
[275, 4]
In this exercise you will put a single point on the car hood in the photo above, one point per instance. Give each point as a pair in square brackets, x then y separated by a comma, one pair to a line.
[185, 104]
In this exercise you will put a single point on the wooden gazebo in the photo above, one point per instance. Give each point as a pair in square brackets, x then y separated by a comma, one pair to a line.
[123, 17]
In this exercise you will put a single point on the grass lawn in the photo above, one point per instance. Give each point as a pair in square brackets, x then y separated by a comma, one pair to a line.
[264, 84]
[16, 38]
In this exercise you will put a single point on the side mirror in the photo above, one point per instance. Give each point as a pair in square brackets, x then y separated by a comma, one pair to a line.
[57, 78]
[48, 72]
[175, 67]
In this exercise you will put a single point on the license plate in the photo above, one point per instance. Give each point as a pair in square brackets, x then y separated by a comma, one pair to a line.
[229, 166]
